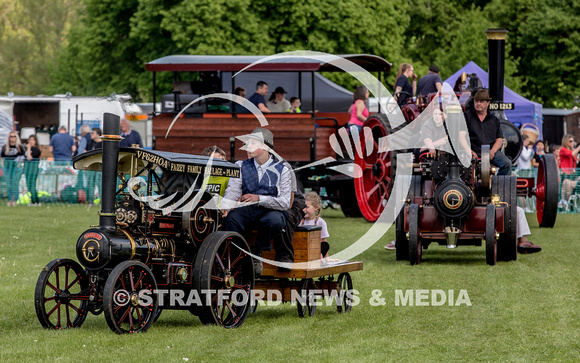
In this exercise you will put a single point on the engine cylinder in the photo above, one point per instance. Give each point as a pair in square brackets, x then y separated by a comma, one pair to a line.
[97, 249]
[453, 199]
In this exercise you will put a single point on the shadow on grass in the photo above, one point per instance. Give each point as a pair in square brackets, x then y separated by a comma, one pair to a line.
[453, 257]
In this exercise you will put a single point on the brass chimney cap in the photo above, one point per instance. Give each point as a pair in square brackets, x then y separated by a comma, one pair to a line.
[496, 34]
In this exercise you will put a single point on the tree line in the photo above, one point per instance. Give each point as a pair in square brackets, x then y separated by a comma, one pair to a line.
[99, 47]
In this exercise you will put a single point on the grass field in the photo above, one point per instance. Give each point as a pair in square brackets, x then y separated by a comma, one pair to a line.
[527, 310]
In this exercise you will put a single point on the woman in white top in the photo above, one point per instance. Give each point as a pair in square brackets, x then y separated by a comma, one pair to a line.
[277, 102]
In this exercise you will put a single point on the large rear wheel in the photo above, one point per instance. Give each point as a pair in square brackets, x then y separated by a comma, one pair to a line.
[415, 249]
[490, 239]
[547, 191]
[374, 158]
[224, 276]
[506, 187]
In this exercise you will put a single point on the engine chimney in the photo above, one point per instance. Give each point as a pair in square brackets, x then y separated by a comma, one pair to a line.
[111, 139]
[496, 64]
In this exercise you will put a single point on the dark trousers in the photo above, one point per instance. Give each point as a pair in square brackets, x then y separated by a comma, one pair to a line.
[12, 173]
[268, 222]
[503, 163]
[284, 250]
[31, 173]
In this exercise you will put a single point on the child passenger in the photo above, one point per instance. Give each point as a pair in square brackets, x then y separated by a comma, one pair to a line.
[312, 218]
[294, 105]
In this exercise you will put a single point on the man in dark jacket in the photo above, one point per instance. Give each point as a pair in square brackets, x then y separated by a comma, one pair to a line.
[484, 129]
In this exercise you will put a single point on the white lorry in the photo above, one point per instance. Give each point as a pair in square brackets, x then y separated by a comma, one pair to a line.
[45, 114]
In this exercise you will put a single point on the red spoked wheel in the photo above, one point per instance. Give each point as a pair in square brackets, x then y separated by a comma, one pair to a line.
[376, 163]
[225, 271]
[547, 191]
[129, 300]
[61, 296]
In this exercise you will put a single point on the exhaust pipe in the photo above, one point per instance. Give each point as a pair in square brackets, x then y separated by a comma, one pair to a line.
[111, 139]
[452, 234]
[496, 65]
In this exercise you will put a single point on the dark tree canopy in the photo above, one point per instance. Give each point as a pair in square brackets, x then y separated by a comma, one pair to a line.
[102, 48]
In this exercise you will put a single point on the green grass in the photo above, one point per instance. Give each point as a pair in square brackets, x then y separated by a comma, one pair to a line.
[527, 310]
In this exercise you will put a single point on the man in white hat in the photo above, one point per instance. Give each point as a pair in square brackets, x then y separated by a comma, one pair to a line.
[261, 197]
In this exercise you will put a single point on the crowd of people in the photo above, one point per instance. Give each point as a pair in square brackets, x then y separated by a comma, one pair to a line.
[22, 159]
[277, 102]
[266, 195]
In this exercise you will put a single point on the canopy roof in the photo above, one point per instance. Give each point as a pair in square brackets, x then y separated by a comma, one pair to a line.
[132, 159]
[234, 63]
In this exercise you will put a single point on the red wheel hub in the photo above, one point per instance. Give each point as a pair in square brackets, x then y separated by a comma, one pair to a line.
[374, 186]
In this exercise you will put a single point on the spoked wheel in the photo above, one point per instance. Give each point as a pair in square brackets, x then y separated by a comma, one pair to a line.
[344, 292]
[547, 191]
[414, 238]
[129, 299]
[61, 295]
[506, 187]
[224, 271]
[490, 239]
[307, 301]
[374, 159]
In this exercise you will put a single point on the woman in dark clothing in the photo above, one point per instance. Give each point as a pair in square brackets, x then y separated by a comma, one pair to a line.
[403, 88]
[31, 168]
[94, 177]
[12, 152]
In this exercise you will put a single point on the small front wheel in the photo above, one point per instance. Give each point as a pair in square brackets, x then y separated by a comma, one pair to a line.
[307, 301]
[344, 292]
[61, 295]
[129, 299]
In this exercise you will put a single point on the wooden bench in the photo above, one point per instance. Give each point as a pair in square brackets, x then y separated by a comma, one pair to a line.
[293, 134]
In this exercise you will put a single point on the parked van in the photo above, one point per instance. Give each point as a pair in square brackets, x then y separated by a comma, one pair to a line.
[45, 114]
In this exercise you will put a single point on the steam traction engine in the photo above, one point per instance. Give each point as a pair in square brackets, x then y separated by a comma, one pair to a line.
[141, 259]
[452, 205]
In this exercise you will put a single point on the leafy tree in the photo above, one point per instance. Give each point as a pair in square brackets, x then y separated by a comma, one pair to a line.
[549, 42]
[31, 33]
[101, 56]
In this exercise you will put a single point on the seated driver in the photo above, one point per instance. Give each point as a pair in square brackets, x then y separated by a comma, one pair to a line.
[484, 128]
[260, 198]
